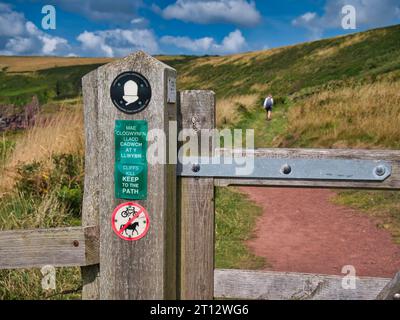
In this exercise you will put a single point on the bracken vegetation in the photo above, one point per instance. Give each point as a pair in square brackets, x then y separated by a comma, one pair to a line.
[366, 116]
[42, 187]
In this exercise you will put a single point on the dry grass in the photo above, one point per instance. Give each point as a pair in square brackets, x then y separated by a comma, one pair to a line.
[227, 109]
[23, 213]
[251, 57]
[326, 52]
[28, 64]
[59, 133]
[26, 284]
[185, 80]
[239, 59]
[260, 87]
[358, 117]
[62, 133]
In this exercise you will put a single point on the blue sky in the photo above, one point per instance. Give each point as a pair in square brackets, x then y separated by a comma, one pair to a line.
[118, 27]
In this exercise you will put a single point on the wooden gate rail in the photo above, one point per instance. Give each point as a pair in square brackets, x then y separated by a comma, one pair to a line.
[77, 246]
[268, 285]
[73, 246]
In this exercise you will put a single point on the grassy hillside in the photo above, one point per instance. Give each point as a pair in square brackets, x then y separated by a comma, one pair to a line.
[340, 92]
[294, 73]
[291, 74]
[53, 84]
[13, 64]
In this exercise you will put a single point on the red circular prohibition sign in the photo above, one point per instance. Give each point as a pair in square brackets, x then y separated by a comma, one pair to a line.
[129, 218]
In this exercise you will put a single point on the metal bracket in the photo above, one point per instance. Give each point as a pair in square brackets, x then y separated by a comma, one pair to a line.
[287, 168]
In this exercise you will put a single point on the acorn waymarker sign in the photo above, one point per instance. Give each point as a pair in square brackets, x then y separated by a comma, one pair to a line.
[130, 221]
[130, 92]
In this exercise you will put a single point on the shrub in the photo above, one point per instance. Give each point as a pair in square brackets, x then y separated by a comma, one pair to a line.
[72, 198]
[32, 180]
[64, 178]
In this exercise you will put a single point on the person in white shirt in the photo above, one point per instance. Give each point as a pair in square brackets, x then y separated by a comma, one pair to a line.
[268, 104]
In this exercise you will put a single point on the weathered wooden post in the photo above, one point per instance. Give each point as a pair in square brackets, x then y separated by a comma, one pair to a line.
[196, 204]
[392, 289]
[124, 102]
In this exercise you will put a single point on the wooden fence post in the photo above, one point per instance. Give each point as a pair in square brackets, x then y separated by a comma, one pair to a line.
[90, 205]
[146, 268]
[196, 212]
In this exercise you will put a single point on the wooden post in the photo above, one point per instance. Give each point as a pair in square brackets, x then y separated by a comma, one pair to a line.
[196, 216]
[392, 290]
[90, 205]
[146, 268]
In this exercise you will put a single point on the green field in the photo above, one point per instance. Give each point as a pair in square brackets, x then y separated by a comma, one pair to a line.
[48, 85]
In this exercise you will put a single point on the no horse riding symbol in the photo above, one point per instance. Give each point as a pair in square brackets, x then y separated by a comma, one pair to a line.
[130, 221]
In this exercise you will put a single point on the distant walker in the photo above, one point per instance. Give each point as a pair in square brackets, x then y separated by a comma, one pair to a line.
[268, 104]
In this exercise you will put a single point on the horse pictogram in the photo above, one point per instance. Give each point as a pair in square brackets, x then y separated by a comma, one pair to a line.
[130, 221]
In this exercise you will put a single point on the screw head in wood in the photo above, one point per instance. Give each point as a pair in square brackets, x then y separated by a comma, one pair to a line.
[196, 168]
[396, 296]
[76, 243]
[380, 171]
[286, 169]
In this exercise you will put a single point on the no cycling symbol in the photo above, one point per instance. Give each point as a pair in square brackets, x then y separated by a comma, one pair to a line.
[130, 221]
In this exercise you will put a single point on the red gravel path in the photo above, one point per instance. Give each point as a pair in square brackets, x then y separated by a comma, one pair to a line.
[302, 231]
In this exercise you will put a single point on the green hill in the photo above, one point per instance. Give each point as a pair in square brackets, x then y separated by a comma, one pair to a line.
[361, 57]
[292, 74]
[307, 82]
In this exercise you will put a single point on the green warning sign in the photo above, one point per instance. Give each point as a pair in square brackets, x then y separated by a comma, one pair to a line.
[130, 159]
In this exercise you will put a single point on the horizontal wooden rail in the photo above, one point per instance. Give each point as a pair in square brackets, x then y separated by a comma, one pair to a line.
[74, 246]
[268, 285]
[391, 156]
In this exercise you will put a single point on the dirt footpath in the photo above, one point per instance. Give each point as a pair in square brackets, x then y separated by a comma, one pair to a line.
[302, 231]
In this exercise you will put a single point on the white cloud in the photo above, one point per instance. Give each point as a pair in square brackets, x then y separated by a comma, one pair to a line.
[370, 13]
[50, 44]
[140, 23]
[19, 36]
[11, 23]
[118, 42]
[195, 45]
[312, 22]
[239, 12]
[306, 18]
[234, 42]
[137, 20]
